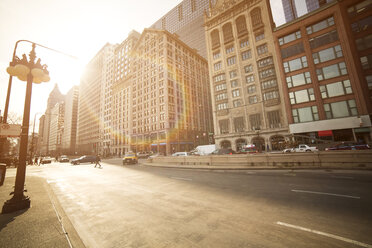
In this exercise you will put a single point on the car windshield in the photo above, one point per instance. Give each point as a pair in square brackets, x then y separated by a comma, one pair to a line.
[130, 155]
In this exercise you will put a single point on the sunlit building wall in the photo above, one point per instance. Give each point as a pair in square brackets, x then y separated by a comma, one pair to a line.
[56, 128]
[70, 121]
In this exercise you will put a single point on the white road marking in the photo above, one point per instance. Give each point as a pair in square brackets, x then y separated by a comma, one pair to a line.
[325, 234]
[323, 193]
[181, 178]
[343, 177]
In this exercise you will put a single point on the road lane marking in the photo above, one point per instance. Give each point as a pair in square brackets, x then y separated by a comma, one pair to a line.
[182, 178]
[323, 193]
[343, 177]
[325, 234]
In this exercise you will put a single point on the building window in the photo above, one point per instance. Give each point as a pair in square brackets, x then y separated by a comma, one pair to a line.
[331, 71]
[246, 55]
[327, 54]
[224, 126]
[267, 73]
[362, 24]
[262, 49]
[231, 60]
[220, 87]
[237, 103]
[306, 114]
[227, 33]
[295, 64]
[163, 23]
[251, 89]
[235, 93]
[222, 106]
[269, 84]
[364, 42]
[219, 78]
[255, 121]
[229, 49]
[180, 12]
[359, 8]
[320, 25]
[233, 74]
[290, 37]
[265, 62]
[292, 50]
[215, 37]
[270, 95]
[241, 25]
[366, 61]
[336, 89]
[221, 96]
[218, 66]
[239, 124]
[256, 17]
[193, 5]
[216, 55]
[244, 43]
[249, 79]
[340, 109]
[252, 99]
[323, 39]
[274, 119]
[248, 68]
[302, 96]
[260, 36]
[298, 79]
[369, 81]
[234, 83]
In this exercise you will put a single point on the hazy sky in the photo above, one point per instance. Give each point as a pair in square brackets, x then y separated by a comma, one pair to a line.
[77, 27]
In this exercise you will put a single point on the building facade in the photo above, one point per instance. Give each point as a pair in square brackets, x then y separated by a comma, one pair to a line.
[70, 121]
[186, 20]
[56, 129]
[247, 97]
[325, 63]
[296, 8]
[94, 102]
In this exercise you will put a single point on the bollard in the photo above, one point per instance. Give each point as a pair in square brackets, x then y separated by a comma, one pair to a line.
[2, 173]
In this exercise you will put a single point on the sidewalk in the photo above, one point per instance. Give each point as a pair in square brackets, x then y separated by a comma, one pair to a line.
[39, 225]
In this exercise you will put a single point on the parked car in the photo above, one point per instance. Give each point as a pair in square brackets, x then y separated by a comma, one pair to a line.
[130, 158]
[46, 160]
[63, 158]
[349, 146]
[84, 159]
[248, 149]
[223, 151]
[180, 154]
[143, 154]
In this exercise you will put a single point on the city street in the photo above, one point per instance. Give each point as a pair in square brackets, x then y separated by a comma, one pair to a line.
[140, 206]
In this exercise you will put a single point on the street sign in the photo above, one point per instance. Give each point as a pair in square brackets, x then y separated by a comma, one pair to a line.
[10, 130]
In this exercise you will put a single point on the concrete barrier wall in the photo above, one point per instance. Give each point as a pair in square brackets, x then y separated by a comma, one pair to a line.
[326, 159]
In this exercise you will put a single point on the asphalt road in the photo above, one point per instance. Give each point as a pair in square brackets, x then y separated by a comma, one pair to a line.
[140, 206]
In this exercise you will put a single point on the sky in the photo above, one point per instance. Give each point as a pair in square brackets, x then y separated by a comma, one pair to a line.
[78, 29]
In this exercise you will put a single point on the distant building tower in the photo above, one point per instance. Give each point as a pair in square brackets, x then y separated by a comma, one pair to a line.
[56, 129]
[54, 97]
[70, 121]
[94, 101]
[296, 8]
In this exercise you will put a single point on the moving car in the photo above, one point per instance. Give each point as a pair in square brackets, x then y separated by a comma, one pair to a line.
[180, 154]
[130, 158]
[301, 148]
[63, 158]
[248, 149]
[223, 151]
[143, 154]
[46, 160]
[349, 146]
[84, 159]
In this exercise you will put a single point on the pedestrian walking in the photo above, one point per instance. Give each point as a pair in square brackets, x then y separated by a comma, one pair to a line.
[98, 159]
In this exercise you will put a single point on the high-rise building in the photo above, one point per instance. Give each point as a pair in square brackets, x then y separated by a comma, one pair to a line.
[325, 66]
[296, 8]
[56, 128]
[186, 20]
[54, 97]
[70, 121]
[94, 102]
[161, 103]
[247, 97]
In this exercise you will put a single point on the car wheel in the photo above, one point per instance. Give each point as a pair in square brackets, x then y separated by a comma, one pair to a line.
[308, 150]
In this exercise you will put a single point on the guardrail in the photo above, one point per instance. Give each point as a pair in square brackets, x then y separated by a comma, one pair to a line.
[362, 159]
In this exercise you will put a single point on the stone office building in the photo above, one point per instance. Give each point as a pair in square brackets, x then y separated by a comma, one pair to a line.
[326, 70]
[247, 97]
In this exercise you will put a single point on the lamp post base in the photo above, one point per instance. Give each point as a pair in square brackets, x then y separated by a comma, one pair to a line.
[15, 204]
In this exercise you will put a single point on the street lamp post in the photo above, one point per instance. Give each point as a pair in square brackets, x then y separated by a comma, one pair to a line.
[29, 71]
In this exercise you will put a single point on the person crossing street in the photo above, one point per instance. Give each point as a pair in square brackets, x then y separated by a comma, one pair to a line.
[98, 159]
